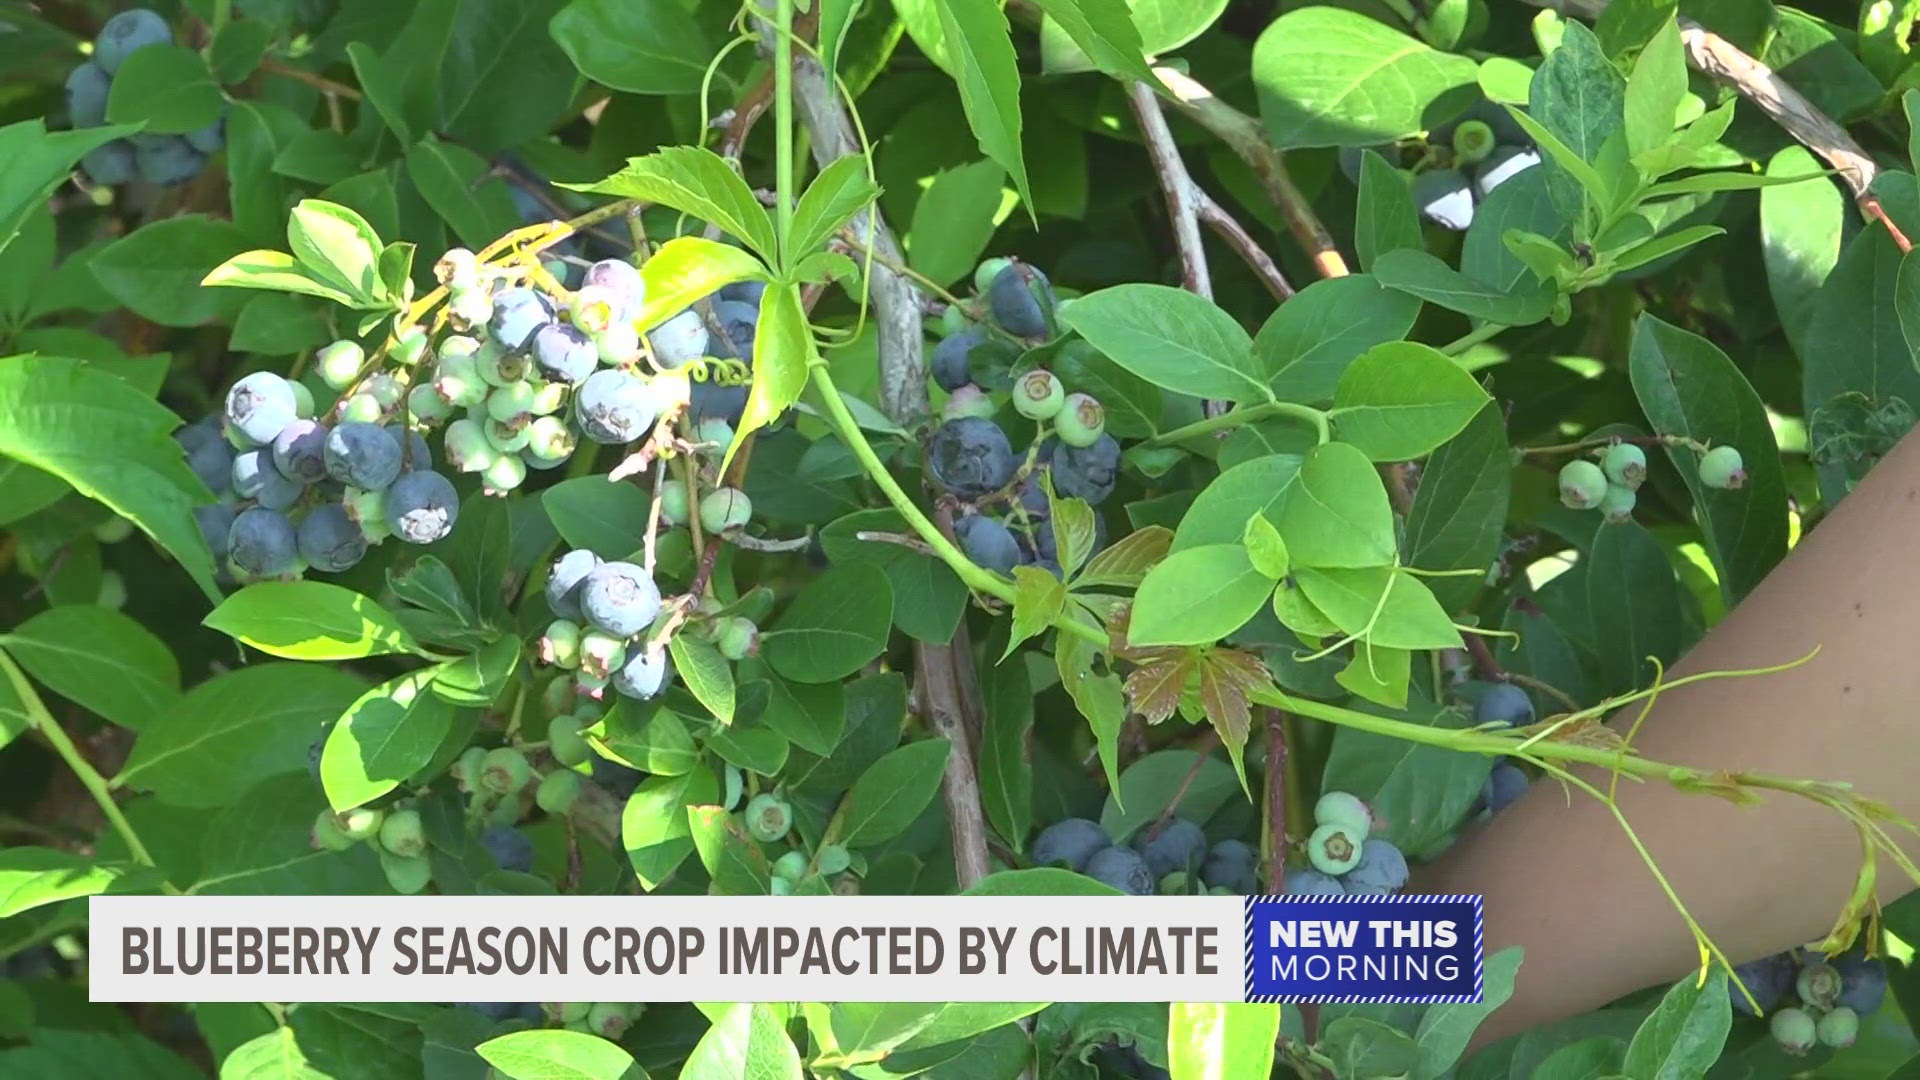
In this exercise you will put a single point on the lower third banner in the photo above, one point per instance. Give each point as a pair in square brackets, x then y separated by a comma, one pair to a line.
[790, 948]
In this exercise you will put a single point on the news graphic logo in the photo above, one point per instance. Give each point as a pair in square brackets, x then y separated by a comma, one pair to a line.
[1351, 949]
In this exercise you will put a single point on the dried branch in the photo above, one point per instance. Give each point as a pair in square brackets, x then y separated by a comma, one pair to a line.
[1183, 210]
[1276, 801]
[1215, 217]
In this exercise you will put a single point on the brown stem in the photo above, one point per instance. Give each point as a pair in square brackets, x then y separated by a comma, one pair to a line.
[746, 112]
[318, 82]
[1215, 217]
[1208, 740]
[1276, 801]
[1183, 211]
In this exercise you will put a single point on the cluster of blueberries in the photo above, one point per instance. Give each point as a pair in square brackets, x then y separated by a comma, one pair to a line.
[1830, 995]
[297, 491]
[1342, 858]
[1006, 523]
[607, 1019]
[1611, 484]
[157, 159]
[602, 610]
[397, 834]
[1465, 161]
[1172, 858]
[1508, 706]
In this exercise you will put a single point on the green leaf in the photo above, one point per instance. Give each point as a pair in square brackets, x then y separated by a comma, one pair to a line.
[1685, 1033]
[928, 597]
[1104, 31]
[954, 219]
[1171, 338]
[1854, 342]
[1305, 347]
[383, 739]
[1330, 77]
[1265, 549]
[988, 74]
[1097, 694]
[735, 863]
[282, 324]
[1386, 218]
[1800, 233]
[157, 270]
[637, 46]
[1134, 406]
[1197, 596]
[607, 517]
[1336, 513]
[746, 1042]
[109, 440]
[783, 354]
[100, 659]
[1126, 561]
[1219, 513]
[336, 245]
[654, 828]
[892, 792]
[836, 624]
[277, 271]
[1426, 277]
[1359, 1046]
[37, 163]
[1713, 182]
[1446, 1028]
[476, 679]
[1578, 98]
[706, 674]
[310, 620]
[1196, 785]
[1461, 505]
[1661, 246]
[167, 88]
[1690, 388]
[1652, 98]
[687, 268]
[275, 1055]
[1523, 204]
[1384, 605]
[504, 80]
[651, 739]
[840, 191]
[696, 181]
[458, 184]
[1006, 753]
[261, 844]
[1420, 792]
[1634, 603]
[558, 1054]
[235, 730]
[32, 877]
[1402, 399]
[1040, 881]
[1221, 1041]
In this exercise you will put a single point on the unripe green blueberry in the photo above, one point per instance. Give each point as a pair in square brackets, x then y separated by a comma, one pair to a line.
[1174, 883]
[410, 345]
[967, 400]
[673, 502]
[364, 504]
[1340, 808]
[1582, 485]
[570, 1012]
[1038, 395]
[302, 399]
[1617, 503]
[1838, 1028]
[113, 530]
[589, 685]
[1335, 849]
[468, 448]
[849, 885]
[458, 345]
[506, 473]
[113, 590]
[769, 817]
[1722, 467]
[557, 697]
[1625, 464]
[328, 835]
[498, 366]
[560, 645]
[953, 319]
[458, 382]
[385, 389]
[469, 309]
[1794, 1029]
[1819, 985]
[617, 344]
[403, 834]
[1472, 142]
[457, 269]
[1081, 421]
[510, 402]
[507, 811]
[425, 403]
[790, 867]
[725, 508]
[466, 768]
[407, 874]
[601, 653]
[736, 638]
[832, 858]
[361, 822]
[339, 362]
[558, 790]
[508, 436]
[505, 770]
[608, 1020]
[550, 442]
[565, 742]
[779, 887]
[984, 274]
[362, 409]
[714, 434]
[594, 308]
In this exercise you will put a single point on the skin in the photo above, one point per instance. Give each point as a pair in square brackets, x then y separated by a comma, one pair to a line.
[1561, 878]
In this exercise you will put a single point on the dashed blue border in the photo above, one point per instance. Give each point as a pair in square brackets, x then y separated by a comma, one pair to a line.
[1479, 952]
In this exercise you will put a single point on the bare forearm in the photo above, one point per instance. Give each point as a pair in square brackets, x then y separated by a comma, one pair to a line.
[1560, 877]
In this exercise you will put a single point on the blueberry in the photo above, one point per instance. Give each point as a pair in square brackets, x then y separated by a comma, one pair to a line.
[1232, 865]
[558, 791]
[1069, 842]
[327, 835]
[505, 770]
[949, 362]
[1767, 979]
[468, 448]
[1304, 882]
[968, 400]
[403, 834]
[644, 675]
[1181, 845]
[1335, 849]
[422, 507]
[1445, 197]
[1341, 808]
[216, 522]
[1794, 1029]
[1863, 982]
[617, 779]
[511, 402]
[550, 442]
[518, 313]
[1818, 984]
[568, 746]
[988, 543]
[127, 32]
[256, 478]
[564, 582]
[620, 598]
[565, 353]
[679, 339]
[506, 473]
[260, 405]
[87, 88]
[1504, 784]
[745, 292]
[329, 540]
[1503, 165]
[1625, 464]
[1582, 484]
[1021, 300]
[167, 161]
[600, 653]
[1381, 871]
[1473, 140]
[711, 400]
[1086, 472]
[725, 508]
[614, 407]
[1038, 395]
[1123, 1060]
[363, 455]
[622, 281]
[262, 544]
[736, 638]
[339, 363]
[769, 817]
[1617, 504]
[300, 451]
[1080, 422]
[971, 457]
[1722, 467]
[1122, 868]
[109, 164]
[1838, 1028]
[212, 462]
[1504, 704]
[739, 326]
[407, 874]
[497, 1011]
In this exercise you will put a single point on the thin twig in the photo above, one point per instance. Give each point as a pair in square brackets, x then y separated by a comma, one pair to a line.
[911, 543]
[1215, 217]
[1183, 211]
[1208, 740]
[1276, 801]
[318, 82]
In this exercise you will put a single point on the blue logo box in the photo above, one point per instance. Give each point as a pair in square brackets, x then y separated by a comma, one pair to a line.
[1363, 949]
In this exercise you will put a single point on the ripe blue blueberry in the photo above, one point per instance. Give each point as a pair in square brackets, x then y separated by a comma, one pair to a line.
[950, 370]
[1232, 865]
[622, 281]
[259, 406]
[1021, 300]
[746, 292]
[110, 164]
[517, 314]
[1863, 982]
[565, 353]
[739, 326]
[1122, 868]
[212, 462]
[1503, 785]
[614, 407]
[1085, 472]
[679, 339]
[256, 478]
[988, 543]
[329, 540]
[262, 544]
[620, 598]
[644, 674]
[422, 507]
[971, 457]
[712, 400]
[216, 523]
[564, 582]
[127, 32]
[1504, 704]
[300, 451]
[1503, 165]
[363, 455]
[1180, 845]
[167, 160]
[1304, 882]
[1445, 197]
[87, 88]
[1768, 979]
[1381, 871]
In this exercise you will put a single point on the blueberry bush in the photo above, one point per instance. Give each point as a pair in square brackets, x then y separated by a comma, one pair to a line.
[606, 447]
